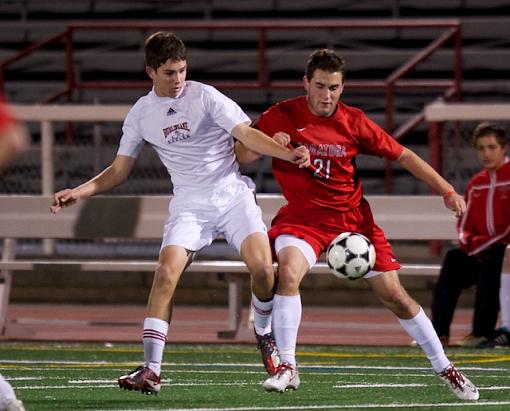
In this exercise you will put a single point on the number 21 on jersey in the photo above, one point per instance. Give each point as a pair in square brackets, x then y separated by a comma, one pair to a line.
[320, 164]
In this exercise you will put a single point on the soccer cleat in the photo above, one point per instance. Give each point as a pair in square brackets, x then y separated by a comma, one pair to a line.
[459, 384]
[13, 404]
[286, 377]
[141, 379]
[267, 346]
[501, 340]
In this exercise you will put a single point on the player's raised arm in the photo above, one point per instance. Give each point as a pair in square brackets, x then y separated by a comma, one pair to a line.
[259, 142]
[110, 177]
[422, 170]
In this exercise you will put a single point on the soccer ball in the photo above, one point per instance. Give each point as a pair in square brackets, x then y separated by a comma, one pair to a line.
[350, 255]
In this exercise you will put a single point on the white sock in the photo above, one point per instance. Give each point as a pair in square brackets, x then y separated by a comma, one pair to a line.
[504, 300]
[262, 311]
[420, 329]
[154, 338]
[286, 319]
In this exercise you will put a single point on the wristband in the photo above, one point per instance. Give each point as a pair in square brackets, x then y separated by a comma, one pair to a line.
[448, 194]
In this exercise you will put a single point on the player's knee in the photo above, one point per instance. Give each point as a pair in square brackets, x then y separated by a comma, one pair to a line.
[400, 303]
[288, 278]
[262, 270]
[166, 276]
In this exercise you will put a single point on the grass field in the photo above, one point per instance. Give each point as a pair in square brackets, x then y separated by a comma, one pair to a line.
[228, 377]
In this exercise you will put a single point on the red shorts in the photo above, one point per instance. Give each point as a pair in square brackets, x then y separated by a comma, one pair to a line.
[319, 228]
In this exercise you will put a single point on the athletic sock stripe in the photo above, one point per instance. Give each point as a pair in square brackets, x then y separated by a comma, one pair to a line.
[151, 330]
[261, 311]
[154, 334]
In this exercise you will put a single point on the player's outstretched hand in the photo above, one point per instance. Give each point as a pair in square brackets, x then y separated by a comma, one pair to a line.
[301, 157]
[455, 202]
[64, 198]
[282, 138]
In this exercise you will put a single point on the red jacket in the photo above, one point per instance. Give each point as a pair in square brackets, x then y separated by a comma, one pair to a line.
[487, 218]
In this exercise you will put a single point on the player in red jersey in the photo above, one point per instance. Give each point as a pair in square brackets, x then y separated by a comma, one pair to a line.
[328, 201]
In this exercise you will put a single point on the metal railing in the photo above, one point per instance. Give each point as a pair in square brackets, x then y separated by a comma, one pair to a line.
[448, 89]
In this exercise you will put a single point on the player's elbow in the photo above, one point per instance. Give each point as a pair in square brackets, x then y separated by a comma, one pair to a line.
[244, 155]
[248, 158]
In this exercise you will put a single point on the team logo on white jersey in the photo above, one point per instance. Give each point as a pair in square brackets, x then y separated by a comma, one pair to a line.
[171, 111]
[176, 132]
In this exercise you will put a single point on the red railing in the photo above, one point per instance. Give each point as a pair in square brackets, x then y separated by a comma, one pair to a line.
[451, 32]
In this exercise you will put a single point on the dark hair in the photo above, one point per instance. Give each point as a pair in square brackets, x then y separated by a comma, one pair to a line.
[162, 46]
[326, 60]
[488, 129]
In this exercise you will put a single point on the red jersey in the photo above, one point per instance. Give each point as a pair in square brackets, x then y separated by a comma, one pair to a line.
[333, 143]
[487, 217]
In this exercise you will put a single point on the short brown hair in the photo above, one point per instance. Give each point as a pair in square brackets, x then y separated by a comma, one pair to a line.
[324, 59]
[163, 46]
[488, 129]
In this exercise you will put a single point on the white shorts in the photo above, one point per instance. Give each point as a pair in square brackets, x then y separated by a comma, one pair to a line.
[287, 240]
[195, 221]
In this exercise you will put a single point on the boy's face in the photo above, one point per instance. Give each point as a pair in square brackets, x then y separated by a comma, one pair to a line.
[490, 153]
[323, 92]
[169, 78]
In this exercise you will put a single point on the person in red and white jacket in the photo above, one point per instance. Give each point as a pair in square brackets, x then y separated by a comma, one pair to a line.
[484, 233]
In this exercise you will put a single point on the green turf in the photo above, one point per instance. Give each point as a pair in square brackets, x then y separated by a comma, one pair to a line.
[228, 377]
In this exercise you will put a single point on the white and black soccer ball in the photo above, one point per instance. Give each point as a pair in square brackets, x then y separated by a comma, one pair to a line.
[350, 255]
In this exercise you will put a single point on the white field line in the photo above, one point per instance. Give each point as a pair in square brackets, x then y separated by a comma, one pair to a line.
[495, 388]
[3, 363]
[340, 373]
[169, 381]
[34, 378]
[64, 387]
[481, 388]
[345, 407]
[379, 385]
[110, 383]
[114, 385]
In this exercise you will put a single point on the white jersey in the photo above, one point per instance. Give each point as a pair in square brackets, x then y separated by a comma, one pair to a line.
[190, 133]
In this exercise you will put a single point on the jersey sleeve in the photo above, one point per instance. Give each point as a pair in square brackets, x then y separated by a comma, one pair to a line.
[131, 142]
[269, 121]
[225, 112]
[374, 140]
[472, 226]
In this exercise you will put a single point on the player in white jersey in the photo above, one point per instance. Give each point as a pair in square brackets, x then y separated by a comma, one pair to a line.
[192, 127]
